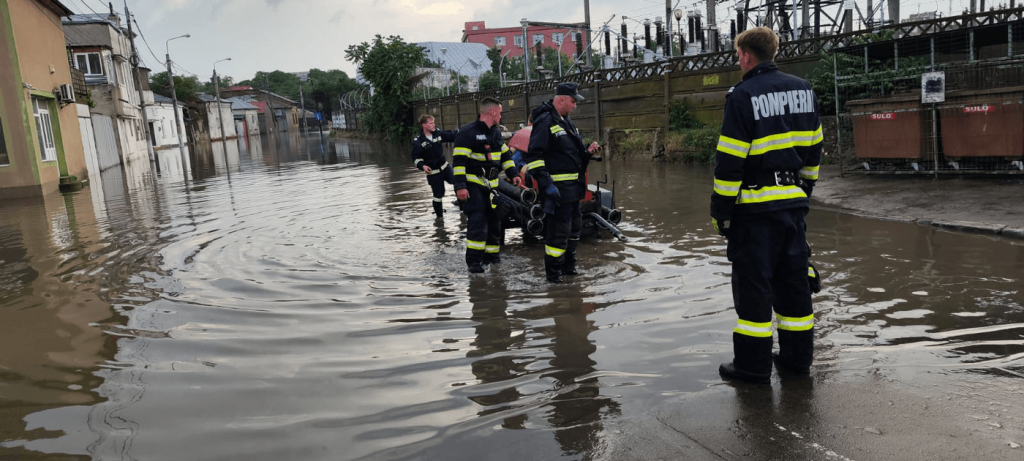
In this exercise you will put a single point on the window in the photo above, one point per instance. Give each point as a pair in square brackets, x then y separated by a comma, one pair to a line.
[476, 27]
[89, 63]
[538, 38]
[576, 36]
[4, 159]
[44, 129]
[518, 40]
[557, 37]
[499, 41]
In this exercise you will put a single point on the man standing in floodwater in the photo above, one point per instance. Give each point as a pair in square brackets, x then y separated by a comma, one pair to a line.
[557, 159]
[480, 155]
[428, 155]
[765, 169]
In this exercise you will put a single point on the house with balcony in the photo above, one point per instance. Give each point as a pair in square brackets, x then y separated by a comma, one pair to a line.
[40, 140]
[99, 45]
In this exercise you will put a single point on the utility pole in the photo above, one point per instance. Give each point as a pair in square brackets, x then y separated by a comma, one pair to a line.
[302, 105]
[134, 60]
[220, 110]
[668, 29]
[586, 12]
[526, 50]
[174, 97]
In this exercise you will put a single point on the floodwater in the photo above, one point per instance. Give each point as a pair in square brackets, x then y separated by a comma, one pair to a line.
[298, 300]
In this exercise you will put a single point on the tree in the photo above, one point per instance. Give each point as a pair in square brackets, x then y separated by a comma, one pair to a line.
[283, 83]
[388, 64]
[186, 88]
[489, 80]
[225, 82]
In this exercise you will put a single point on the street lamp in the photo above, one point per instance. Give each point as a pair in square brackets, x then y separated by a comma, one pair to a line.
[500, 63]
[526, 50]
[679, 30]
[220, 111]
[174, 98]
[447, 82]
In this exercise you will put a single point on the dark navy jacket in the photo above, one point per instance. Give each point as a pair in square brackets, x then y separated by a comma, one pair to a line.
[429, 151]
[556, 154]
[771, 130]
[480, 151]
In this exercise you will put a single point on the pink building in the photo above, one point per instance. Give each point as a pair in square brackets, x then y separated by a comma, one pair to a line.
[512, 38]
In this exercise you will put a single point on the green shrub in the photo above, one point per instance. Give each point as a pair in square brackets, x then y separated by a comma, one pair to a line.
[694, 145]
[634, 143]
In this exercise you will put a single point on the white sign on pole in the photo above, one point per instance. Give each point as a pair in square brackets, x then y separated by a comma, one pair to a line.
[933, 87]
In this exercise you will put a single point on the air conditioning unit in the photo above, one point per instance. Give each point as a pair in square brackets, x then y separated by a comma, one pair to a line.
[66, 93]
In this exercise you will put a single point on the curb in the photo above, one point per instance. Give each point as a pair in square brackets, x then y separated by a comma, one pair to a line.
[959, 226]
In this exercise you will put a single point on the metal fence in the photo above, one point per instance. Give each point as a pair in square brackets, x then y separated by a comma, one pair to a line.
[946, 102]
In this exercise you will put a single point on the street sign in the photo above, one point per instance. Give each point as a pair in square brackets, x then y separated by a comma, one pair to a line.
[933, 87]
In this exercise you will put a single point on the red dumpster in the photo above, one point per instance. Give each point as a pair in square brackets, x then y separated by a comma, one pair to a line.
[983, 123]
[893, 127]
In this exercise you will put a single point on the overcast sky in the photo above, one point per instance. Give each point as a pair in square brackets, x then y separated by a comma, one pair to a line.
[296, 35]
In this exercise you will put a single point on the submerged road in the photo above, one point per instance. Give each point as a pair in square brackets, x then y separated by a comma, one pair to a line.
[297, 300]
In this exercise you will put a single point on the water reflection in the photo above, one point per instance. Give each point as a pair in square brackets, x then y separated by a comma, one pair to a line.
[297, 301]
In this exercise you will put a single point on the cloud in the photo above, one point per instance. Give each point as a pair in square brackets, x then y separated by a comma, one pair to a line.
[447, 8]
[336, 19]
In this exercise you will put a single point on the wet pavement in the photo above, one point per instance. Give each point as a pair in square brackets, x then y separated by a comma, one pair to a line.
[296, 299]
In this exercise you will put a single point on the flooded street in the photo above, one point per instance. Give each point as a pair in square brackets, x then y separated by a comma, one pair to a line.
[299, 301]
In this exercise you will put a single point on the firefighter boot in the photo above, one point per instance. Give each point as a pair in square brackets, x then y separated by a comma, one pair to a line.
[552, 269]
[437, 208]
[569, 266]
[729, 370]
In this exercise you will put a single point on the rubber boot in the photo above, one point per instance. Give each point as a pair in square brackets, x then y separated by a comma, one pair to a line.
[438, 210]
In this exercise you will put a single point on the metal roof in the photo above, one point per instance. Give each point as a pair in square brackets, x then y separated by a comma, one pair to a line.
[469, 59]
[238, 104]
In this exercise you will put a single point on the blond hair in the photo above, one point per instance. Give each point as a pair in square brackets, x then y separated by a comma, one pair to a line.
[760, 42]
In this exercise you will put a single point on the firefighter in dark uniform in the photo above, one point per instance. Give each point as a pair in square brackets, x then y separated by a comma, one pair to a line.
[480, 155]
[558, 161]
[428, 155]
[766, 165]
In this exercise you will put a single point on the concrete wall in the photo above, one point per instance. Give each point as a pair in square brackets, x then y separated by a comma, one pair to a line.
[33, 53]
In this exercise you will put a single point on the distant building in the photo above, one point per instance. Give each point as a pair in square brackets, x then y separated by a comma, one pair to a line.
[246, 117]
[40, 136]
[466, 59]
[510, 39]
[101, 47]
[218, 113]
[276, 113]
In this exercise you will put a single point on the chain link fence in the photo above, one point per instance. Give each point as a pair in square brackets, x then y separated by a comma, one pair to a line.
[950, 102]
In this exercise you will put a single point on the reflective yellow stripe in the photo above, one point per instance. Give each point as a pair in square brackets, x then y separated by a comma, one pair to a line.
[535, 164]
[810, 272]
[438, 199]
[565, 177]
[460, 170]
[508, 164]
[493, 249]
[757, 330]
[476, 180]
[556, 129]
[795, 323]
[478, 156]
[770, 193]
[809, 172]
[727, 188]
[504, 148]
[414, 162]
[785, 141]
[475, 245]
[733, 146]
[554, 252]
[439, 169]
[462, 151]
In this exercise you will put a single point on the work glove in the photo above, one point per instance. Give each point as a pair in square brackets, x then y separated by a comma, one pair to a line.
[813, 278]
[722, 228]
[552, 193]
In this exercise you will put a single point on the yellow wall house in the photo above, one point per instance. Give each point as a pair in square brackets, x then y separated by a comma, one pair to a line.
[40, 141]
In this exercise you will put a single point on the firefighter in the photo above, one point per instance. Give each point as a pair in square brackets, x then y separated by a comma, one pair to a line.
[480, 155]
[558, 161]
[428, 155]
[765, 168]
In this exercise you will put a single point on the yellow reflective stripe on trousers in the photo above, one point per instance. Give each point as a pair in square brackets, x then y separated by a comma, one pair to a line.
[784, 141]
[440, 169]
[795, 323]
[553, 252]
[809, 172]
[770, 193]
[475, 244]
[535, 164]
[727, 188]
[565, 177]
[464, 151]
[438, 199]
[757, 330]
[556, 129]
[733, 146]
[493, 249]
